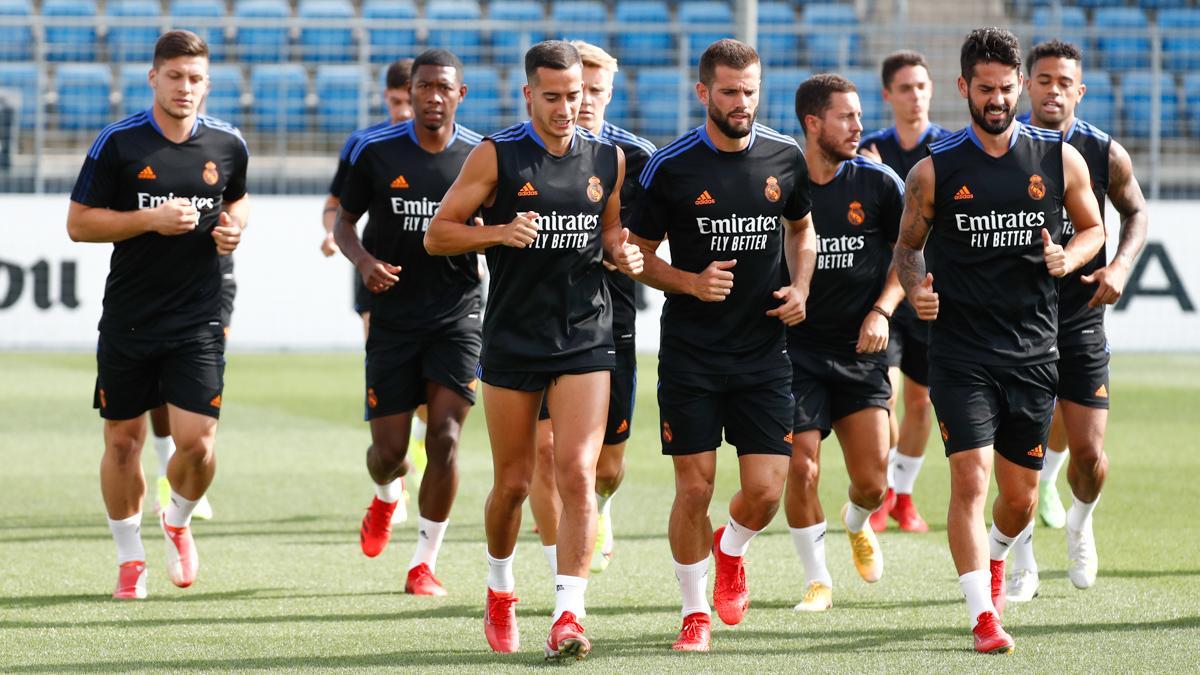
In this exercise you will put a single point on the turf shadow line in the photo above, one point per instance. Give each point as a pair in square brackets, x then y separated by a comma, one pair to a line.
[32, 601]
[426, 612]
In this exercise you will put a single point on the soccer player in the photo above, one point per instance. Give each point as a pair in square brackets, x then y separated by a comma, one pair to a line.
[598, 70]
[425, 335]
[908, 88]
[1055, 89]
[719, 193]
[990, 198]
[839, 369]
[168, 188]
[549, 192]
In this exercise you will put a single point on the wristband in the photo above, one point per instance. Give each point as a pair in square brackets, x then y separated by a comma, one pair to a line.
[882, 313]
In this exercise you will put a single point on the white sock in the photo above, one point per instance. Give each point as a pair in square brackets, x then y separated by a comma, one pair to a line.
[1051, 465]
[906, 471]
[551, 553]
[417, 432]
[977, 589]
[810, 546]
[391, 492]
[999, 543]
[1021, 556]
[736, 539]
[568, 595]
[500, 573]
[127, 533]
[164, 447]
[429, 542]
[1080, 513]
[179, 510]
[856, 518]
[693, 586]
[891, 467]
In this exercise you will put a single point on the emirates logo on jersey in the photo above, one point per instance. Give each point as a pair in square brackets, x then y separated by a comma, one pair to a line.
[772, 191]
[594, 190]
[856, 215]
[527, 190]
[210, 174]
[1037, 189]
[400, 183]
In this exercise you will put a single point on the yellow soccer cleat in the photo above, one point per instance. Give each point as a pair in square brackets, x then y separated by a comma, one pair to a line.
[864, 549]
[817, 598]
[603, 551]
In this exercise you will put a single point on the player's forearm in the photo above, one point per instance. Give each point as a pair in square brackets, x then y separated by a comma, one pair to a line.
[800, 249]
[329, 215]
[99, 225]
[345, 233]
[658, 273]
[239, 210]
[447, 237]
[1083, 247]
[892, 294]
[1134, 226]
[909, 264]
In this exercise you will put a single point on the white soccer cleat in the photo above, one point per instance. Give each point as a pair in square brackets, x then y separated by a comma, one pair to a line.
[182, 560]
[1082, 561]
[1022, 585]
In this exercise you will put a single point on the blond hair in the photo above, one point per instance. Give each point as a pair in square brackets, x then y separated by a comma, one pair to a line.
[593, 56]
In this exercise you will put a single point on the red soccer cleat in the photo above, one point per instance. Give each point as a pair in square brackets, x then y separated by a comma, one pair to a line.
[905, 513]
[500, 622]
[376, 527]
[566, 639]
[182, 560]
[879, 517]
[999, 592]
[731, 597]
[422, 582]
[990, 636]
[131, 581]
[696, 634]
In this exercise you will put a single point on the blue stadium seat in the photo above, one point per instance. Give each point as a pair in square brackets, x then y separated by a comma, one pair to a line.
[1136, 97]
[16, 41]
[23, 77]
[329, 38]
[833, 39]
[465, 41]
[509, 44]
[777, 49]
[574, 17]
[338, 93]
[1122, 41]
[483, 109]
[658, 93]
[1191, 85]
[1068, 24]
[514, 101]
[876, 114]
[83, 95]
[705, 21]
[1100, 3]
[225, 95]
[202, 17]
[1181, 38]
[133, 29]
[1161, 4]
[268, 40]
[279, 90]
[136, 94]
[779, 87]
[388, 43]
[618, 111]
[644, 48]
[1099, 103]
[67, 42]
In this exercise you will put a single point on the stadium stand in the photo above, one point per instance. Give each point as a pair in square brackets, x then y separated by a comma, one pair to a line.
[509, 45]
[279, 91]
[1121, 39]
[66, 38]
[834, 41]
[779, 87]
[136, 95]
[386, 41]
[651, 44]
[134, 27]
[338, 90]
[83, 91]
[466, 42]
[705, 21]
[1136, 88]
[23, 79]
[484, 108]
[1181, 37]
[1100, 101]
[1068, 24]
[261, 35]
[225, 95]
[203, 18]
[16, 39]
[657, 96]
[319, 41]
[579, 20]
[777, 48]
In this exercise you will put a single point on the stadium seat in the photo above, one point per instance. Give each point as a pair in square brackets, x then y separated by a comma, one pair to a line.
[573, 18]
[267, 39]
[388, 43]
[1099, 103]
[832, 35]
[23, 78]
[202, 17]
[16, 40]
[133, 28]
[1161, 4]
[1122, 40]
[329, 37]
[779, 87]
[509, 43]
[339, 90]
[483, 109]
[83, 95]
[644, 47]
[66, 41]
[1136, 97]
[876, 114]
[1068, 24]
[1191, 87]
[1099, 3]
[279, 92]
[778, 49]
[618, 111]
[464, 40]
[136, 94]
[1181, 38]
[658, 94]
[705, 22]
[225, 95]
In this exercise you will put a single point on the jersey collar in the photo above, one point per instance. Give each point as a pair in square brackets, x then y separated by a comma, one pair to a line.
[702, 130]
[412, 133]
[154, 123]
[1071, 130]
[1012, 140]
[538, 139]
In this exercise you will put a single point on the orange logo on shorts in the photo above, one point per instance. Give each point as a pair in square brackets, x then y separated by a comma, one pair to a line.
[1036, 451]
[856, 215]
[210, 173]
[1102, 392]
[1037, 189]
[667, 435]
[103, 399]
[623, 427]
[371, 400]
[944, 430]
[216, 402]
[772, 191]
[594, 190]
[788, 438]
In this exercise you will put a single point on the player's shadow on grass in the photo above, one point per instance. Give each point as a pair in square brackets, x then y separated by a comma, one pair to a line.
[414, 660]
[36, 601]
[864, 605]
[408, 613]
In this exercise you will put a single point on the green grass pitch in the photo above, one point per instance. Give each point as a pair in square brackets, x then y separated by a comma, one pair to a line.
[283, 585]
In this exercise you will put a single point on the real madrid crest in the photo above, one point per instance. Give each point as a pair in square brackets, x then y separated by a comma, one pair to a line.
[210, 173]
[1037, 189]
[772, 191]
[856, 215]
[594, 191]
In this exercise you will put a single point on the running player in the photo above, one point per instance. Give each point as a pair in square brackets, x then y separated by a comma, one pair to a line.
[718, 193]
[425, 338]
[550, 195]
[598, 70]
[839, 371]
[168, 188]
[991, 197]
[908, 88]
[1055, 89]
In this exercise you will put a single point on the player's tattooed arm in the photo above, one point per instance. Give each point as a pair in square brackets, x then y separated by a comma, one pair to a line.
[909, 257]
[1126, 195]
[455, 229]
[1084, 211]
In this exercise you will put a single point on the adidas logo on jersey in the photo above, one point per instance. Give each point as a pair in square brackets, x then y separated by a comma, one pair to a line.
[399, 183]
[705, 199]
[147, 174]
[963, 193]
[527, 191]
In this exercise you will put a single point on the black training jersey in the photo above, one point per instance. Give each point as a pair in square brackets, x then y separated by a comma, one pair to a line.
[887, 144]
[857, 219]
[163, 286]
[620, 286]
[548, 302]
[400, 185]
[343, 170]
[715, 205]
[998, 304]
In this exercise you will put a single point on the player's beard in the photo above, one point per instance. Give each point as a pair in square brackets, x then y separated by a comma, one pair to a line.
[981, 119]
[722, 122]
[835, 149]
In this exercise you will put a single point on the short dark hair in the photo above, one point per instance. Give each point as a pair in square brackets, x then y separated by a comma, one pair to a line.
[814, 95]
[1053, 48]
[725, 52]
[989, 45]
[176, 43]
[904, 58]
[552, 54]
[399, 74]
[442, 58]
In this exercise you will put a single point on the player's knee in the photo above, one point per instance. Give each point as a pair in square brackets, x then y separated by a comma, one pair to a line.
[511, 488]
[694, 493]
[804, 471]
[390, 452]
[1022, 502]
[124, 448]
[917, 403]
[1089, 457]
[193, 450]
[762, 495]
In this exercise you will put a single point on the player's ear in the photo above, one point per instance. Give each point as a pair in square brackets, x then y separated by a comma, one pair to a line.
[702, 93]
[964, 87]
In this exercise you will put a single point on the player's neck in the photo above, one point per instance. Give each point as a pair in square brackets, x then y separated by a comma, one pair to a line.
[434, 140]
[1062, 126]
[723, 142]
[173, 128]
[821, 167]
[910, 132]
[995, 145]
[554, 145]
[596, 127]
